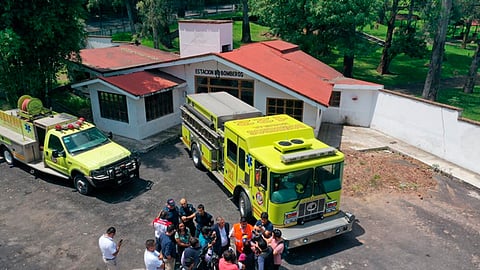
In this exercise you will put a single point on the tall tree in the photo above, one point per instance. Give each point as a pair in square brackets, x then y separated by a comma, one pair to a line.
[156, 16]
[432, 82]
[383, 67]
[401, 39]
[246, 37]
[472, 72]
[38, 39]
[318, 26]
[128, 5]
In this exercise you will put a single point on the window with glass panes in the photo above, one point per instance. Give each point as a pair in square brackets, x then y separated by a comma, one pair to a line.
[113, 106]
[242, 89]
[335, 99]
[292, 107]
[158, 105]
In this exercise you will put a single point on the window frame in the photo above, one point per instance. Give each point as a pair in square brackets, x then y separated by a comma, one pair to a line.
[158, 105]
[335, 99]
[285, 106]
[239, 88]
[113, 106]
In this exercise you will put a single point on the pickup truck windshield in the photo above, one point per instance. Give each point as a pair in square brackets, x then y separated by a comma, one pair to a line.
[84, 140]
[305, 183]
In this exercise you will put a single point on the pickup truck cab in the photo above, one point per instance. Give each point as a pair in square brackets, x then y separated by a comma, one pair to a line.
[63, 145]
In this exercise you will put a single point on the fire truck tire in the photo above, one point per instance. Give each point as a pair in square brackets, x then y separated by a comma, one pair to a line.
[196, 156]
[245, 206]
[81, 184]
[7, 156]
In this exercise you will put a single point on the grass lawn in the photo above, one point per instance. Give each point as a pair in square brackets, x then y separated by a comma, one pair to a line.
[407, 72]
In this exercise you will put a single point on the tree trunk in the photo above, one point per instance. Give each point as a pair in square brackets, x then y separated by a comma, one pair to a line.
[246, 37]
[181, 8]
[472, 72]
[384, 65]
[468, 25]
[156, 38]
[432, 82]
[131, 15]
[348, 65]
[410, 13]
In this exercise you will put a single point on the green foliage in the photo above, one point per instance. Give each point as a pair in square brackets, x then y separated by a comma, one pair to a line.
[408, 42]
[122, 37]
[470, 103]
[45, 33]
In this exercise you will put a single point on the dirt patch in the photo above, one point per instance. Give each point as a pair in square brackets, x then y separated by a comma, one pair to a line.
[385, 171]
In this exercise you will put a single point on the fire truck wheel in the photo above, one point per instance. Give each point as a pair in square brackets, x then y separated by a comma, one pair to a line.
[7, 156]
[196, 157]
[81, 184]
[244, 205]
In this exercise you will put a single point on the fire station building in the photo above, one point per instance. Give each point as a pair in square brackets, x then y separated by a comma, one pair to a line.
[136, 91]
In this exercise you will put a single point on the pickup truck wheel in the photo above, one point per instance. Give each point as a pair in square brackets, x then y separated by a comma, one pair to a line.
[81, 184]
[245, 206]
[196, 156]
[7, 156]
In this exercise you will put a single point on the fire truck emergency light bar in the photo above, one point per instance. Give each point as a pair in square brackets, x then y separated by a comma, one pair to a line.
[310, 154]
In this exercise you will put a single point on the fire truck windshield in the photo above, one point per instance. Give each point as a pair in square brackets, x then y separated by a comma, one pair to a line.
[292, 186]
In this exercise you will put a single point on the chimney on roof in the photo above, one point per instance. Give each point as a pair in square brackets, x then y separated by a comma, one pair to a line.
[205, 36]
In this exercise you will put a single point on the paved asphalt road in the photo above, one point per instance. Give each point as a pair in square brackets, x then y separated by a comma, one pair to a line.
[45, 224]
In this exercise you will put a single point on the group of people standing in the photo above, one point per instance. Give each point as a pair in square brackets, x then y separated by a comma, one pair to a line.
[187, 237]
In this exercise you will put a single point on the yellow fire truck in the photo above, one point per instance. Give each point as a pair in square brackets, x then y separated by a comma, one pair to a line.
[63, 145]
[270, 164]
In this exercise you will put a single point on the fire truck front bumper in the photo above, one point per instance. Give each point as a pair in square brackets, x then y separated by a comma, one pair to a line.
[317, 230]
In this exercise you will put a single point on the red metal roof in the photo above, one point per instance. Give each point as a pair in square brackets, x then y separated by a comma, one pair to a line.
[123, 56]
[287, 65]
[144, 82]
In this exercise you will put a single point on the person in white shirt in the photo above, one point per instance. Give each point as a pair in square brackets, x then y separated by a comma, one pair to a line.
[109, 248]
[153, 259]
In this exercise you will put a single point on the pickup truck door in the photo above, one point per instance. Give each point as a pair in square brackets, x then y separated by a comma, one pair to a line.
[55, 154]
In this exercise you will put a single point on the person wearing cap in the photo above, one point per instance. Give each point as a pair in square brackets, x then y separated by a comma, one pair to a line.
[202, 218]
[277, 244]
[172, 212]
[241, 232]
[241, 261]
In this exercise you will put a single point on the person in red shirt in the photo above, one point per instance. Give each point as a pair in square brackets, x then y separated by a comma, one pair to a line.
[228, 261]
[160, 224]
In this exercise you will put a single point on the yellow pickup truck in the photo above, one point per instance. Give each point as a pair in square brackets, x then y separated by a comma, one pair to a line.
[64, 145]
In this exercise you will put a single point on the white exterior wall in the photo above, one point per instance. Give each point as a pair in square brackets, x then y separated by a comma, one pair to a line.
[137, 127]
[429, 126]
[200, 38]
[264, 91]
[356, 106]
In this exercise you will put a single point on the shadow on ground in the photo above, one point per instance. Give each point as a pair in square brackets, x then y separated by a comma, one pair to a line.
[312, 252]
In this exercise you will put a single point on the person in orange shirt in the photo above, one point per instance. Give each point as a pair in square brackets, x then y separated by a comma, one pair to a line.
[241, 232]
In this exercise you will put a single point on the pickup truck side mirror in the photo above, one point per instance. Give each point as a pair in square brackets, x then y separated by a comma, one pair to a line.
[57, 154]
[110, 135]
